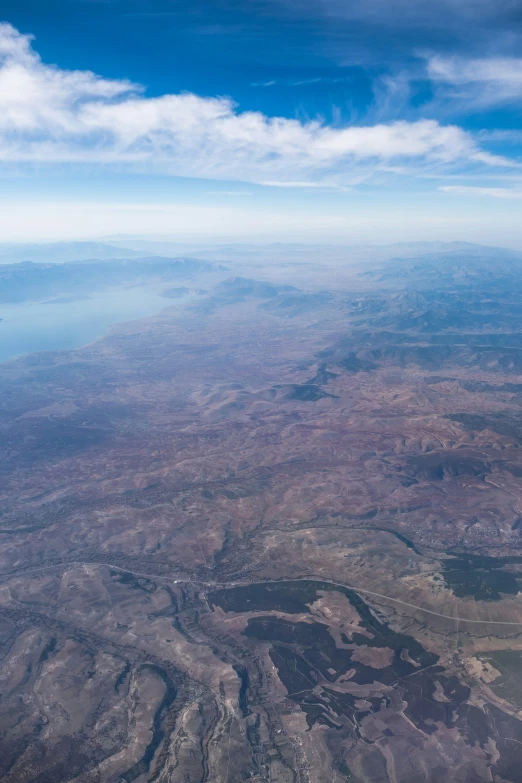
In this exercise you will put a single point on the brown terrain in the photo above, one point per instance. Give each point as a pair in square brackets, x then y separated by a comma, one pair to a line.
[273, 535]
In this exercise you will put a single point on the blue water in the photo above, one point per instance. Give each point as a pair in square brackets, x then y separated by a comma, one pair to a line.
[47, 326]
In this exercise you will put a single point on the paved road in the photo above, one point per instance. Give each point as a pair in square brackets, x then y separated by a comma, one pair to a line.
[312, 578]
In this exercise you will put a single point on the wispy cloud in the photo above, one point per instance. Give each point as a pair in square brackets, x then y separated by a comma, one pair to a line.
[302, 82]
[481, 81]
[496, 70]
[503, 136]
[53, 116]
[465, 190]
[301, 184]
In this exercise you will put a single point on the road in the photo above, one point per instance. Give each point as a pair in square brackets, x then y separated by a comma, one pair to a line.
[311, 578]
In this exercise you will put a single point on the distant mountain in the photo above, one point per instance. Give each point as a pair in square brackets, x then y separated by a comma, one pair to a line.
[435, 308]
[62, 252]
[438, 311]
[288, 253]
[31, 281]
[295, 304]
[466, 264]
[239, 287]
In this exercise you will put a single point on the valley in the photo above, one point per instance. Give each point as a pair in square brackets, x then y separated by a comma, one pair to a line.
[272, 533]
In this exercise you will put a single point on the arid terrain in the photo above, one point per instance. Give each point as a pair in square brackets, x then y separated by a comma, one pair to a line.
[274, 534]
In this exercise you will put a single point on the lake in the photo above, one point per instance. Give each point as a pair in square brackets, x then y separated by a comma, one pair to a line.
[29, 327]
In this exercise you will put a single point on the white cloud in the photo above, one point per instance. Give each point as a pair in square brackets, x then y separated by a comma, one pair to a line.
[486, 81]
[470, 190]
[501, 70]
[51, 115]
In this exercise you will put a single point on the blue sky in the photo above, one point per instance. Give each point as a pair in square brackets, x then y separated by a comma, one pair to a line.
[320, 120]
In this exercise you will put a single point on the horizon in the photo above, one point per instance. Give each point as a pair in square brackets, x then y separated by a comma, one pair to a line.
[230, 242]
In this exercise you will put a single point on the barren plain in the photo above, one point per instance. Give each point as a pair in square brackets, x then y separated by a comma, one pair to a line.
[274, 535]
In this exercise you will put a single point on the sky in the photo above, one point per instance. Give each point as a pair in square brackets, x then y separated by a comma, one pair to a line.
[269, 120]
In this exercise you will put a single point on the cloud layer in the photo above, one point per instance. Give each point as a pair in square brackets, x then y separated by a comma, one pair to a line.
[52, 115]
